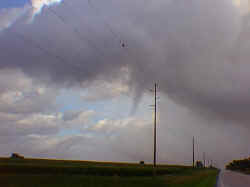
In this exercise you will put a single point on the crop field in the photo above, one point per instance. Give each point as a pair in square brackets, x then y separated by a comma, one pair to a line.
[53, 173]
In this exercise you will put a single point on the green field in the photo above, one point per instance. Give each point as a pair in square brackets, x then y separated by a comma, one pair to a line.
[61, 173]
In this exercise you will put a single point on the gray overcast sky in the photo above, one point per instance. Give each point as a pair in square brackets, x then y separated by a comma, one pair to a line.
[72, 72]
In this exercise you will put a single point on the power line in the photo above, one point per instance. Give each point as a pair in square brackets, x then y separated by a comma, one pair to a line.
[38, 46]
[76, 31]
[204, 159]
[197, 150]
[155, 121]
[91, 5]
[85, 39]
[108, 26]
[193, 151]
[44, 50]
[155, 125]
[35, 44]
[122, 43]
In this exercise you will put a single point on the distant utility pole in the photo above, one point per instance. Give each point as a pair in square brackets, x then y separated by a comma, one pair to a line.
[193, 151]
[155, 120]
[204, 159]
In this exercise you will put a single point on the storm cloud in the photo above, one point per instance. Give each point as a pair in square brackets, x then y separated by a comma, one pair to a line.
[197, 50]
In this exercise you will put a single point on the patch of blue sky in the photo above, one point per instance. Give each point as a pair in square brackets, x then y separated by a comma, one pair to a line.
[68, 132]
[116, 108]
[70, 100]
[13, 3]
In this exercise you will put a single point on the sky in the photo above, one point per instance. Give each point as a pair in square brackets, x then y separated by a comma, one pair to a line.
[75, 79]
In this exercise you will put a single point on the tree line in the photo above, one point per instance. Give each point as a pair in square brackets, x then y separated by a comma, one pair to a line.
[239, 165]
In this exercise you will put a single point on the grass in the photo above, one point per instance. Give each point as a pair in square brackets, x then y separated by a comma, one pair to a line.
[28, 173]
[43, 166]
[205, 178]
[247, 171]
[77, 181]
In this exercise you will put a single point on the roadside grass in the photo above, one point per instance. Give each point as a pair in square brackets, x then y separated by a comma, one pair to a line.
[196, 179]
[54, 162]
[205, 178]
[54, 173]
[78, 181]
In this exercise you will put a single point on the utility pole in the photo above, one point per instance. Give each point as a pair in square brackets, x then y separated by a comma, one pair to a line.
[204, 159]
[193, 151]
[155, 120]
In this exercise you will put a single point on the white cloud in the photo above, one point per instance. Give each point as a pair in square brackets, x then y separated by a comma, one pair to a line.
[105, 90]
[80, 119]
[243, 5]
[9, 16]
[21, 94]
[39, 120]
[21, 125]
[100, 90]
[38, 5]
[116, 126]
[37, 124]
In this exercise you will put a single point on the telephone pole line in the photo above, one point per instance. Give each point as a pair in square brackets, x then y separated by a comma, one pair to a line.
[155, 120]
[204, 159]
[193, 151]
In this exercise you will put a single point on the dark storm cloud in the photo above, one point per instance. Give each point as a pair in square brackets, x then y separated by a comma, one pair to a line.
[195, 49]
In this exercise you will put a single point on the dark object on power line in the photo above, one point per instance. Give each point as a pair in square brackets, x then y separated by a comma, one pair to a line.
[122, 44]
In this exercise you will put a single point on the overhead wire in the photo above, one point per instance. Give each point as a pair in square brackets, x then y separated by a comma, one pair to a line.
[91, 5]
[38, 46]
[76, 31]
[47, 52]
[44, 50]
[129, 53]
[78, 35]
[108, 26]
[85, 39]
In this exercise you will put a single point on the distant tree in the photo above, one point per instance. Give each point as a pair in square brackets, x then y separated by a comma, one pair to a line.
[239, 165]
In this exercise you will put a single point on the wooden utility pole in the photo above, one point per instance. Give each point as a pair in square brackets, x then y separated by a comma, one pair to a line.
[193, 151]
[155, 120]
[204, 159]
